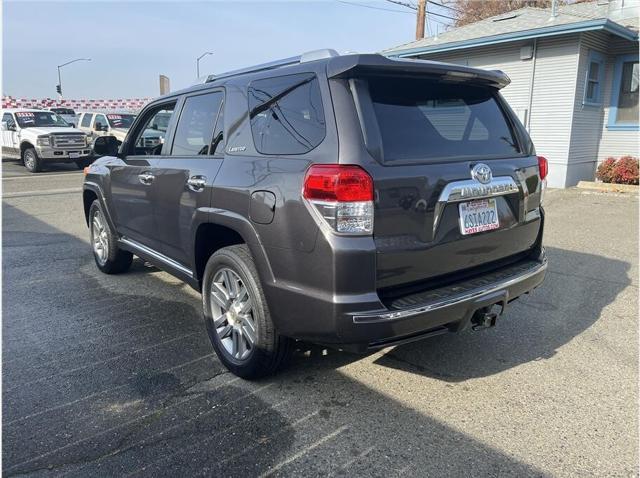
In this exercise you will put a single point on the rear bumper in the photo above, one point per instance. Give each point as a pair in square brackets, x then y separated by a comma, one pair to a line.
[448, 309]
[362, 322]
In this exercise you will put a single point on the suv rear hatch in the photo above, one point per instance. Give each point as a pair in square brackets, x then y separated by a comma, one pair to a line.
[457, 184]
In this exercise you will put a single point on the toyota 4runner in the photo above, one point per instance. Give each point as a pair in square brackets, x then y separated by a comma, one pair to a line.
[38, 136]
[354, 201]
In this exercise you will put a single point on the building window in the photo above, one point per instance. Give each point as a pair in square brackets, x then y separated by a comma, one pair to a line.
[593, 82]
[623, 114]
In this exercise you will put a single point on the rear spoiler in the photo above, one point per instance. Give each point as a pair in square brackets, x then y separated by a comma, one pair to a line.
[349, 66]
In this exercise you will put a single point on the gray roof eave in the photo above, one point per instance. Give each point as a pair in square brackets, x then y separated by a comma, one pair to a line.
[598, 24]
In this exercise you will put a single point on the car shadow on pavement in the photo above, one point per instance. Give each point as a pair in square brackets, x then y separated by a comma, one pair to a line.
[576, 289]
[113, 375]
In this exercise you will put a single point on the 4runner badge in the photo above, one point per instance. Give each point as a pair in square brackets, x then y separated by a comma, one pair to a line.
[237, 149]
[482, 173]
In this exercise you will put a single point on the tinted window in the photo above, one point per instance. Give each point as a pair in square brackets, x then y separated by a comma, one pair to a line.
[196, 123]
[86, 120]
[286, 114]
[422, 119]
[217, 143]
[628, 94]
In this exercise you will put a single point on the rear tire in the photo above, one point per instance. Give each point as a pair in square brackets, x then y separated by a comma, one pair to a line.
[31, 160]
[237, 316]
[109, 258]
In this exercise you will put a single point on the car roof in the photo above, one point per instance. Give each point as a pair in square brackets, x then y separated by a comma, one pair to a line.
[21, 110]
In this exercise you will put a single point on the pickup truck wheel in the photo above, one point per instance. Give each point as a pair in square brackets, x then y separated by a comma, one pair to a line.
[237, 316]
[109, 258]
[31, 160]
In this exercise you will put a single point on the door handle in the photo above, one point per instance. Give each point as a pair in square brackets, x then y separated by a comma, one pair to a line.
[197, 183]
[146, 178]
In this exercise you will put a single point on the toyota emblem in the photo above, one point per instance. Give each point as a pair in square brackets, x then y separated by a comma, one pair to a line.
[482, 173]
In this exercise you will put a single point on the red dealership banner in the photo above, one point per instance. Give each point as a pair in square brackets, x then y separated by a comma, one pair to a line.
[130, 104]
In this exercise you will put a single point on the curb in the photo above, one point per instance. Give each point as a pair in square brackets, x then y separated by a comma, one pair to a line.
[609, 187]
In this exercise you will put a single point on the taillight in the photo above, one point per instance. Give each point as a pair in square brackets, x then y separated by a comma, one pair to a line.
[543, 165]
[342, 195]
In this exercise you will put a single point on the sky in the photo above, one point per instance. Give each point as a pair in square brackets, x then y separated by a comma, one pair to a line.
[131, 43]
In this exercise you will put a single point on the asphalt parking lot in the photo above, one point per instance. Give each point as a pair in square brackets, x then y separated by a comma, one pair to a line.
[114, 375]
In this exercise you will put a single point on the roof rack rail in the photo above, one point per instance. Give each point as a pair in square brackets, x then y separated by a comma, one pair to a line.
[294, 60]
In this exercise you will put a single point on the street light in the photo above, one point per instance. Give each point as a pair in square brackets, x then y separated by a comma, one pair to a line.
[59, 87]
[198, 62]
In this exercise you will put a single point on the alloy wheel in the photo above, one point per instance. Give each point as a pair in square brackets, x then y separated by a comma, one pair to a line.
[99, 237]
[29, 160]
[232, 310]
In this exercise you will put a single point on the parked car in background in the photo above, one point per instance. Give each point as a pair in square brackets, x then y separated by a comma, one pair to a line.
[353, 201]
[99, 123]
[38, 137]
[66, 114]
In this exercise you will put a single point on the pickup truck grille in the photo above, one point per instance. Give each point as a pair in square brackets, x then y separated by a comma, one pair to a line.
[150, 142]
[68, 140]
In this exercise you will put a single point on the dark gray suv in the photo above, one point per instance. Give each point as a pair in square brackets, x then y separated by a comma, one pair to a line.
[352, 201]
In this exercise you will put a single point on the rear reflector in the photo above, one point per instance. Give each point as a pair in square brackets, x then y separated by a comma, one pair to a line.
[341, 196]
[543, 165]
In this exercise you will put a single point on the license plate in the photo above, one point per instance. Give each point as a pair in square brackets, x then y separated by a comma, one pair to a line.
[478, 216]
[74, 154]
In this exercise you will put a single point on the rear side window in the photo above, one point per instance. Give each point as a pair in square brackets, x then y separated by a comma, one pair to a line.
[195, 126]
[286, 114]
[86, 120]
[428, 120]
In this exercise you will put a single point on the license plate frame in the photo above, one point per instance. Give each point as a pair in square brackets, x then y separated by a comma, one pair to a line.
[74, 154]
[479, 215]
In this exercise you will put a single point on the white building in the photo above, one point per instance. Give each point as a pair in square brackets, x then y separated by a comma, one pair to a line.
[574, 77]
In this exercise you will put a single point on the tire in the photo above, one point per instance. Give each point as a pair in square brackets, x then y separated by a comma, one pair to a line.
[109, 258]
[83, 163]
[246, 342]
[31, 160]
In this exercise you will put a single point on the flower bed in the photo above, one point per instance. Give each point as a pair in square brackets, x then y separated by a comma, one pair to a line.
[619, 171]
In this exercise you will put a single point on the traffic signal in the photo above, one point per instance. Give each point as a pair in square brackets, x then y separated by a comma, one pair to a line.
[59, 89]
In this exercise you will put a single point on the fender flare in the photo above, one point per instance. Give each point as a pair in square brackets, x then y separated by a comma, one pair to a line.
[97, 190]
[245, 229]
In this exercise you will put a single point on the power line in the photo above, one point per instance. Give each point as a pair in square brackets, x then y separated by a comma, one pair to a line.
[398, 2]
[353, 4]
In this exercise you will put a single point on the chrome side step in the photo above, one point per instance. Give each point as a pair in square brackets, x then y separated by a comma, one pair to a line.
[136, 246]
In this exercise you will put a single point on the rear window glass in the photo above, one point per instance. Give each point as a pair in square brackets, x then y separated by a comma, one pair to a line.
[286, 114]
[428, 120]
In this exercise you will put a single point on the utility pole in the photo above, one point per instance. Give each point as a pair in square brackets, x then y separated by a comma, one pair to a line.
[420, 19]
[59, 85]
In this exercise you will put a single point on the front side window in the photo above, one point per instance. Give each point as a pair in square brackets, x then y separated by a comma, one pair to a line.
[100, 122]
[624, 109]
[47, 119]
[194, 132]
[7, 118]
[286, 114]
[425, 120]
[86, 120]
[593, 84]
[150, 136]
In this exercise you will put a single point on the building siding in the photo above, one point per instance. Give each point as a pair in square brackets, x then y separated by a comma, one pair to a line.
[554, 90]
[616, 143]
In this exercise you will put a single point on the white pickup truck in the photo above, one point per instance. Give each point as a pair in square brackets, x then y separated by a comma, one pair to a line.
[37, 137]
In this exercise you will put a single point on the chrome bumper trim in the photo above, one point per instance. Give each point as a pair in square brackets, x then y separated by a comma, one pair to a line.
[361, 318]
[471, 189]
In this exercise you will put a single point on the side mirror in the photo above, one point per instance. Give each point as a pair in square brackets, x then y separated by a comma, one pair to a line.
[105, 146]
[4, 126]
